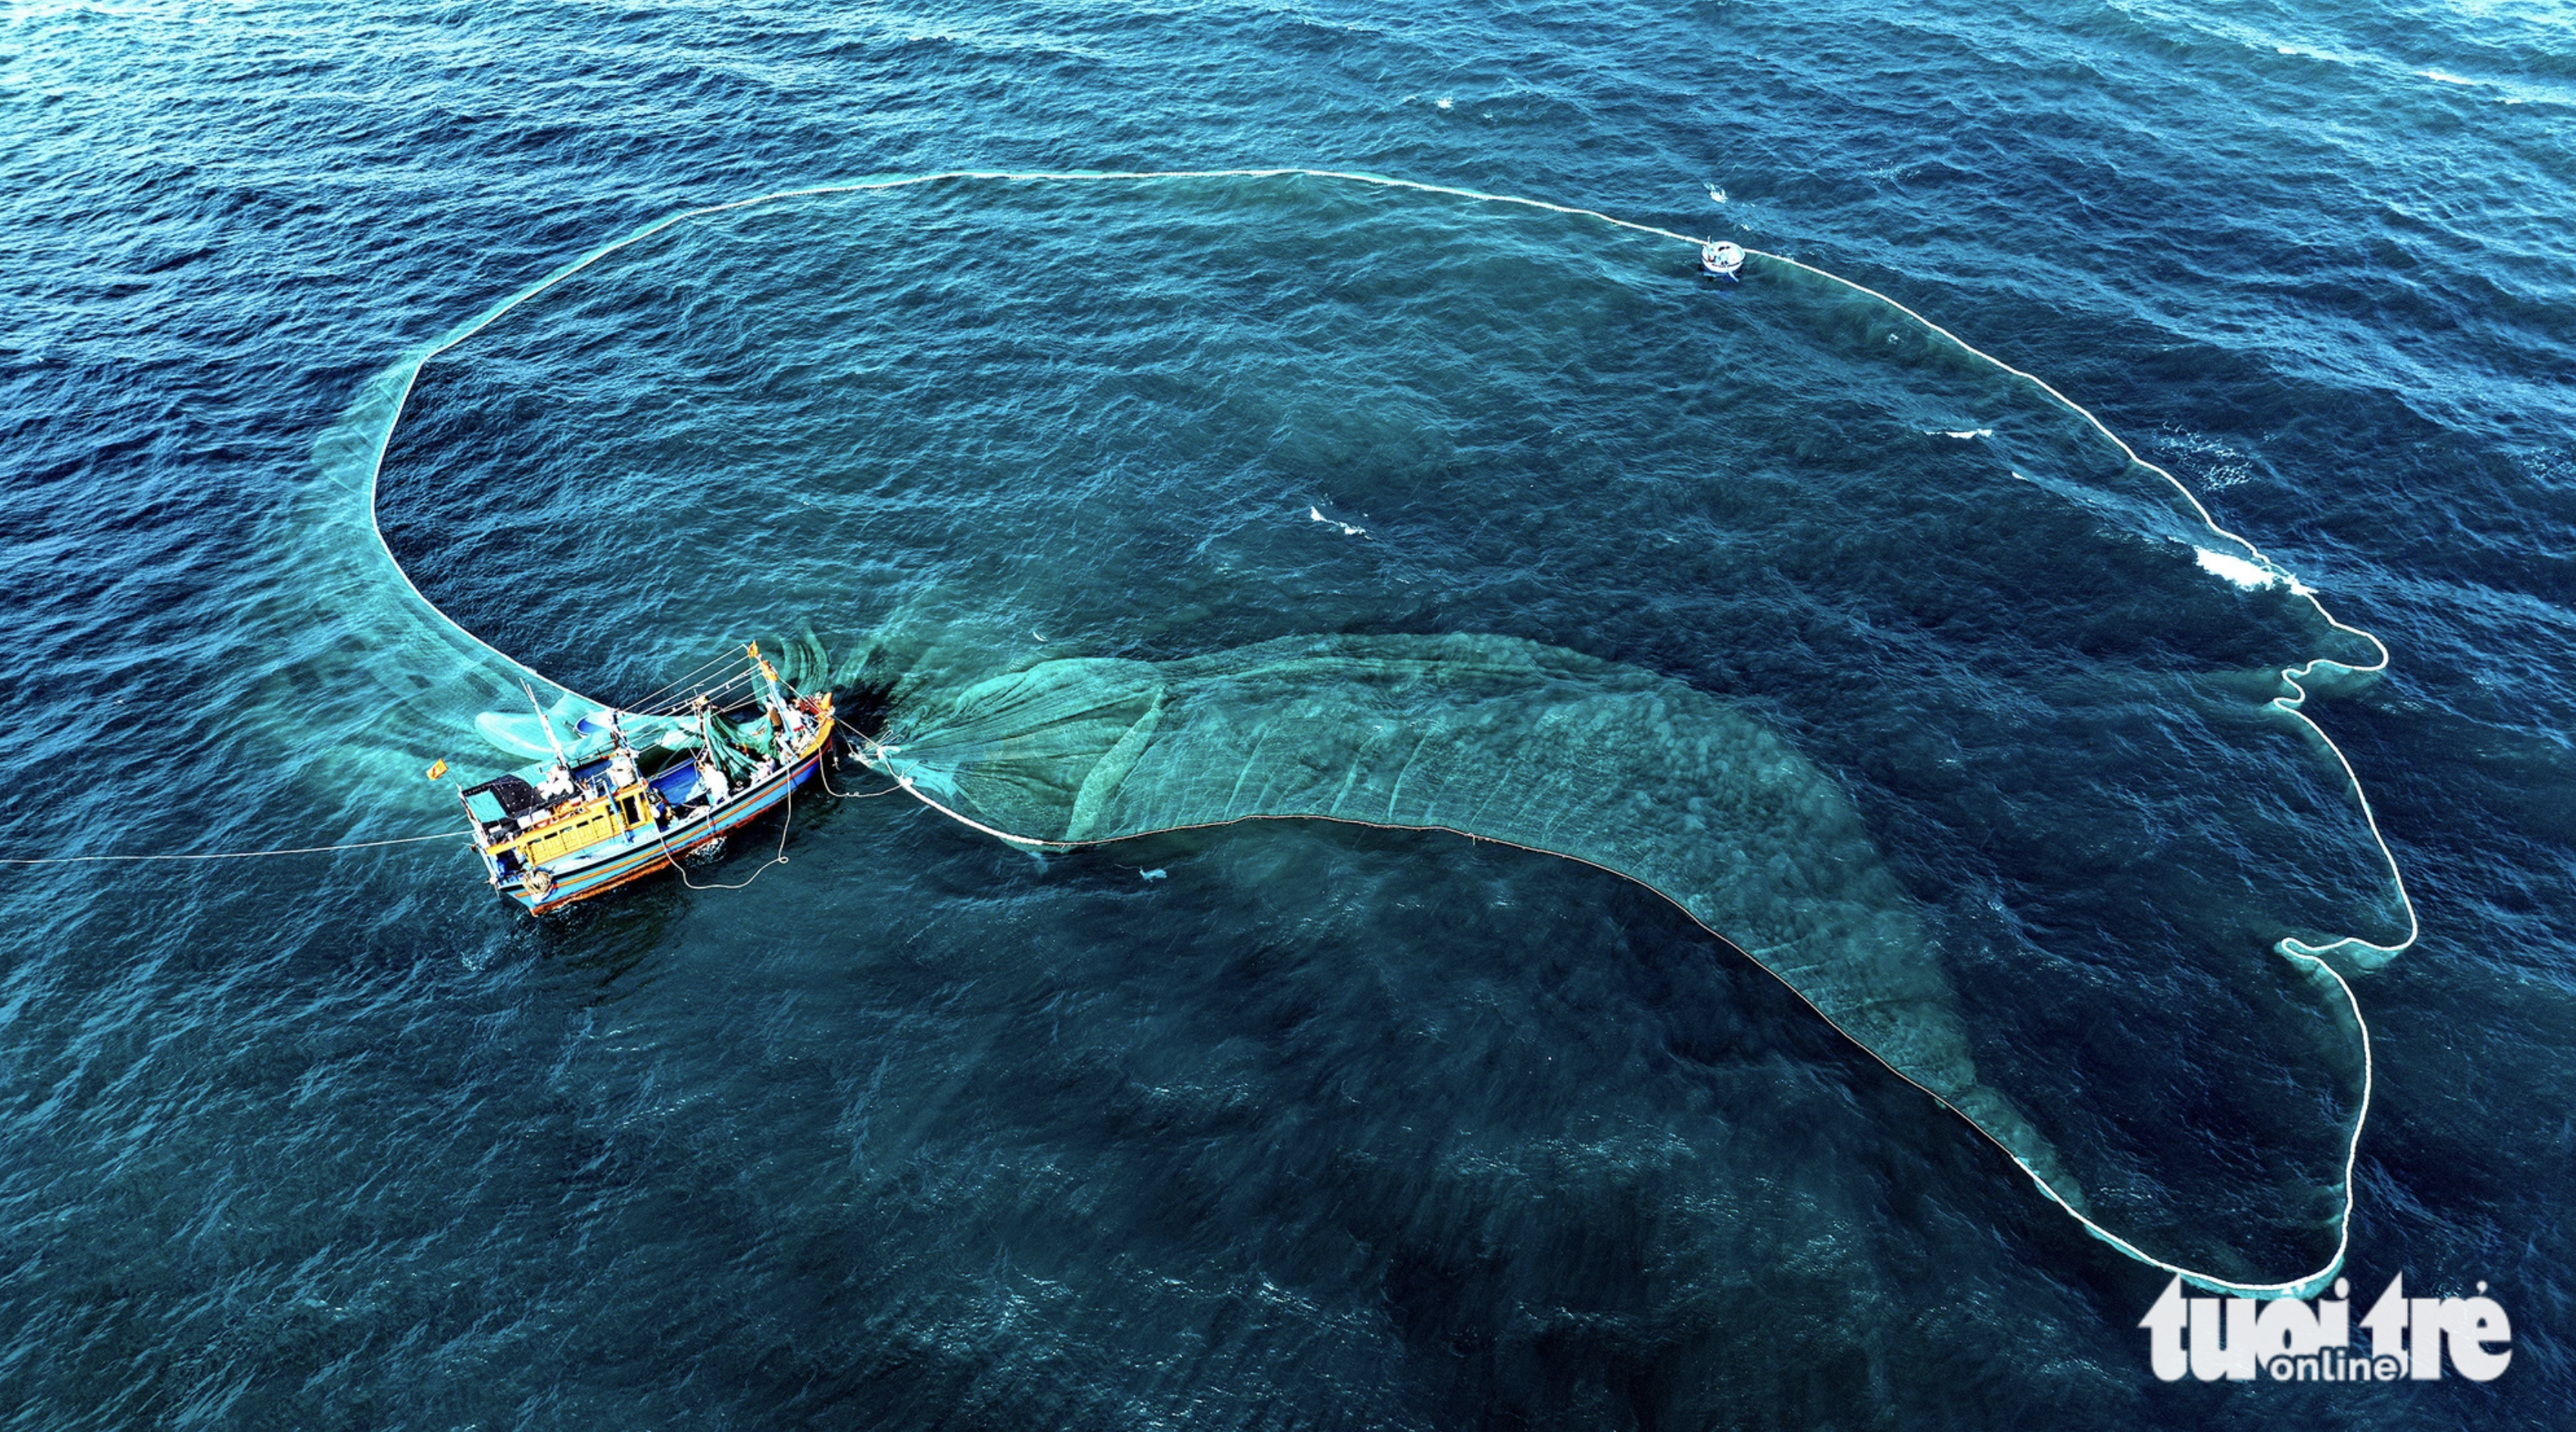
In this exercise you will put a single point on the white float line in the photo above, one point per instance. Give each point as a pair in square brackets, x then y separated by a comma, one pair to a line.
[2291, 675]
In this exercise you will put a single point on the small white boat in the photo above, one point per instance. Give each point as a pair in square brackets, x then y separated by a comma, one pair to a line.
[1721, 258]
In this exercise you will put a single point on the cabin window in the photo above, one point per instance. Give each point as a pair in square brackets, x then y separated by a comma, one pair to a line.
[634, 811]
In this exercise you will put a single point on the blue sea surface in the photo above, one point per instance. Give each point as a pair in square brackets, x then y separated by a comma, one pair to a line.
[1280, 1124]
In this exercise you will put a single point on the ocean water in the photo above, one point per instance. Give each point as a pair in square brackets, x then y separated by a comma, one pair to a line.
[1316, 1126]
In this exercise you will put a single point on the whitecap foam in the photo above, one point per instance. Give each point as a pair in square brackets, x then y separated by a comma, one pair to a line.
[2249, 575]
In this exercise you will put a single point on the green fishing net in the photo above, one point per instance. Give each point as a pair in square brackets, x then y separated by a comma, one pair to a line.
[1486, 736]
[1703, 798]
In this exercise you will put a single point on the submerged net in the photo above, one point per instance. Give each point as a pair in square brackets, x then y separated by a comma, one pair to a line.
[1486, 736]
[1917, 677]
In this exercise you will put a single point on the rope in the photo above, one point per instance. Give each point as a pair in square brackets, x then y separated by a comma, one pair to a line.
[825, 777]
[904, 783]
[228, 854]
[779, 859]
[646, 700]
[708, 693]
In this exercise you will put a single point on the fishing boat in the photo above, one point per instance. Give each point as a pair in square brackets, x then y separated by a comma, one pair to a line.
[1721, 259]
[636, 792]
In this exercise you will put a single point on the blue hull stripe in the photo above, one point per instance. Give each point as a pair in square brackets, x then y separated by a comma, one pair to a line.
[681, 839]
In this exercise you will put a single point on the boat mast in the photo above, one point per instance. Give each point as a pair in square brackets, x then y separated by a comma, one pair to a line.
[547, 726]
